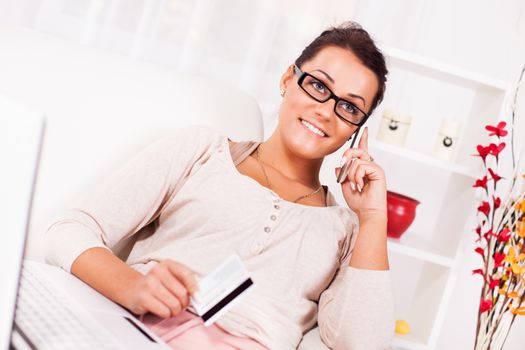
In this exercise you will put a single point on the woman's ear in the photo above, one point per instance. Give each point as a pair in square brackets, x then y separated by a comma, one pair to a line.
[286, 78]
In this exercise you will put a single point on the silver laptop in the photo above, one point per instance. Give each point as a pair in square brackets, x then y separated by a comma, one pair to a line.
[44, 307]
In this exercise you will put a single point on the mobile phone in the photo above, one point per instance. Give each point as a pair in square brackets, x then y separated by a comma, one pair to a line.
[344, 170]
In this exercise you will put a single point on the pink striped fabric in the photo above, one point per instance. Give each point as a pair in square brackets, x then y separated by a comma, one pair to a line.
[187, 332]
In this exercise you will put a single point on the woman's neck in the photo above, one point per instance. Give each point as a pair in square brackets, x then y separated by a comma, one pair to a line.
[274, 153]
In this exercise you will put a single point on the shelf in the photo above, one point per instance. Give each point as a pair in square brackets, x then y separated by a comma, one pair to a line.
[418, 290]
[443, 68]
[411, 245]
[422, 158]
[407, 342]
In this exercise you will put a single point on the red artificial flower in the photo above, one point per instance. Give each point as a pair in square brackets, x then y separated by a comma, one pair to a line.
[478, 230]
[478, 272]
[485, 305]
[498, 259]
[483, 152]
[493, 284]
[498, 130]
[487, 235]
[494, 176]
[481, 183]
[480, 251]
[484, 208]
[504, 235]
[497, 202]
[495, 150]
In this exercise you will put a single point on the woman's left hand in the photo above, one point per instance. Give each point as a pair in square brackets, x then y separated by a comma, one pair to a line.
[364, 188]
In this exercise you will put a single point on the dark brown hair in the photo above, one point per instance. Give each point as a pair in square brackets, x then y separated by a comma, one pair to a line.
[351, 36]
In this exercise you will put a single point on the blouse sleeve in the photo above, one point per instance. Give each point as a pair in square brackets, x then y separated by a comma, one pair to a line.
[356, 310]
[131, 198]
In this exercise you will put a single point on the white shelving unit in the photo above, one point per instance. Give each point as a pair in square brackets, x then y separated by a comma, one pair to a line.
[431, 249]
[430, 66]
[419, 249]
[423, 159]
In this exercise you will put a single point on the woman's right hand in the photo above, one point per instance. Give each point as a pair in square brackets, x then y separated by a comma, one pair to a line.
[164, 291]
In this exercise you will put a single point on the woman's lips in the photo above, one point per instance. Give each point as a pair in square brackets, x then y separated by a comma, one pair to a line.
[312, 128]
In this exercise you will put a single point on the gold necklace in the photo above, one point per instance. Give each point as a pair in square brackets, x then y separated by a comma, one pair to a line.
[268, 180]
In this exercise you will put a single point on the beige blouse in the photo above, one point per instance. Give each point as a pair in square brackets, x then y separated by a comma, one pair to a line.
[200, 210]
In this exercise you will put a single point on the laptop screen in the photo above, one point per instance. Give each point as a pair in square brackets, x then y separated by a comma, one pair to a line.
[21, 133]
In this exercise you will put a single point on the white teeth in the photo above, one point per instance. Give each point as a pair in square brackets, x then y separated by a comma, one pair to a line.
[313, 128]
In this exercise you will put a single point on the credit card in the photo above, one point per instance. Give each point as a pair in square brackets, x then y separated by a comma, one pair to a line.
[220, 290]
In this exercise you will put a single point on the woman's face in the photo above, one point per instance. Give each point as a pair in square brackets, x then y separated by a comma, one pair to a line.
[343, 73]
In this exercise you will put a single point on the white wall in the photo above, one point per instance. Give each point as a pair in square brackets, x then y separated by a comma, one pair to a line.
[482, 36]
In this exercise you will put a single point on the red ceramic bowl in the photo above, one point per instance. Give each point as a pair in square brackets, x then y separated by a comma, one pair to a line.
[401, 213]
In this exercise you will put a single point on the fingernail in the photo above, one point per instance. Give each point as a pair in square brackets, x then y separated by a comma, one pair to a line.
[194, 288]
[352, 186]
[359, 188]
[343, 161]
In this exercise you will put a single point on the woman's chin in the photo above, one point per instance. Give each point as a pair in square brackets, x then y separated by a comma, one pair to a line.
[308, 149]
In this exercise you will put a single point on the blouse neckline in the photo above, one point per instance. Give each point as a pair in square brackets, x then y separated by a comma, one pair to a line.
[243, 149]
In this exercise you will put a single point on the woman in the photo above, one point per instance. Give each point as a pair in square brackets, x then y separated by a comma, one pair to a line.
[197, 198]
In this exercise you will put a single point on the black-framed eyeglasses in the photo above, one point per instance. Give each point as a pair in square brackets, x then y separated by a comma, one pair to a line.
[317, 89]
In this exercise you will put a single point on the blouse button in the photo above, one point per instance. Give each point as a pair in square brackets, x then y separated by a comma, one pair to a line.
[276, 207]
[267, 229]
[273, 217]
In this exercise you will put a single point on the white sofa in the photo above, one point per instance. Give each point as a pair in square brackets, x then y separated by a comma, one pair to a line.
[101, 108]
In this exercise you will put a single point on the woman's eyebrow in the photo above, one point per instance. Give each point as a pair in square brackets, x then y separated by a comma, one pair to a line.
[326, 75]
[333, 82]
[359, 97]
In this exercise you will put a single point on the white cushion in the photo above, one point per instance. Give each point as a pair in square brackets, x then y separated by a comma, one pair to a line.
[102, 107]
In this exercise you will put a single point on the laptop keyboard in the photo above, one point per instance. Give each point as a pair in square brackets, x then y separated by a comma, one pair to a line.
[44, 316]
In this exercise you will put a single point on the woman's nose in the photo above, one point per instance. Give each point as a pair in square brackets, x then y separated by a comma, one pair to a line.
[325, 109]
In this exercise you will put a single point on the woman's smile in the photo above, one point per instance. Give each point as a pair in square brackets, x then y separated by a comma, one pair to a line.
[313, 129]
